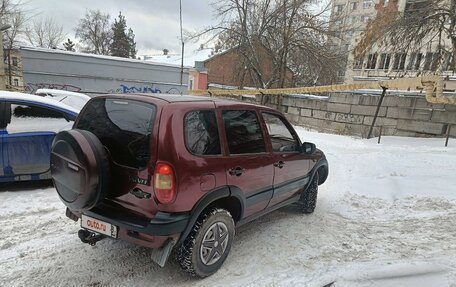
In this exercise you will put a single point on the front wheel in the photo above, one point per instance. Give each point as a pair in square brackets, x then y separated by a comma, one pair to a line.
[207, 246]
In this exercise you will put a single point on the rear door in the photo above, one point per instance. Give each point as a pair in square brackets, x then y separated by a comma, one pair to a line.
[291, 166]
[27, 141]
[248, 165]
[127, 128]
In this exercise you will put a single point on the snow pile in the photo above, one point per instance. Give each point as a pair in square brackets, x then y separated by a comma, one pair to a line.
[385, 217]
[72, 99]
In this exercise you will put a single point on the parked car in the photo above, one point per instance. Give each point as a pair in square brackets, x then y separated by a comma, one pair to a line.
[72, 99]
[28, 124]
[166, 171]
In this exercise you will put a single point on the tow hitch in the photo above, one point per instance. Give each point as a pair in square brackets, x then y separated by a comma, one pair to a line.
[90, 237]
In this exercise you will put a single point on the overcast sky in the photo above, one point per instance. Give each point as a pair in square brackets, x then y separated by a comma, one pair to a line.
[154, 22]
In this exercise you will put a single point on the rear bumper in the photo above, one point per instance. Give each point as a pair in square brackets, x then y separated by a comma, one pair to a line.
[153, 233]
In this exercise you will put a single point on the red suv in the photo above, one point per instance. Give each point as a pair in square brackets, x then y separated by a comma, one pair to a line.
[167, 171]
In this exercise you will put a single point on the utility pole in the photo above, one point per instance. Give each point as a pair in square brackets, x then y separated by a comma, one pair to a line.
[182, 42]
[2, 66]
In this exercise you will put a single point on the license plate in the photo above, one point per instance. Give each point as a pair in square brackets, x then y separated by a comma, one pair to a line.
[98, 226]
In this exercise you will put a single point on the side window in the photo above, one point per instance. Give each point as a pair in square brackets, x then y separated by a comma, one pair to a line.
[243, 132]
[34, 118]
[281, 137]
[201, 133]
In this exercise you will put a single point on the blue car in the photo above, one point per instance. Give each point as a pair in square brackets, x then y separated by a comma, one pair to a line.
[28, 124]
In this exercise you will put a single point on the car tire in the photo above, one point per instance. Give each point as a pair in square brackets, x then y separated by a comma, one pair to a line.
[80, 169]
[203, 251]
[309, 197]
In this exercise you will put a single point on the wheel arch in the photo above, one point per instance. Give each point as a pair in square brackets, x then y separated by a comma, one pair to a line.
[322, 165]
[228, 197]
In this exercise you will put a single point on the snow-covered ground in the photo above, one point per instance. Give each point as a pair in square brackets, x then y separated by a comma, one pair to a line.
[385, 217]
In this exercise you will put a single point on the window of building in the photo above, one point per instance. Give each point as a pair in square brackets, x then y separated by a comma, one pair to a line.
[385, 60]
[428, 61]
[399, 61]
[411, 61]
[243, 132]
[364, 19]
[201, 133]
[354, 5]
[414, 62]
[339, 8]
[367, 4]
[358, 63]
[282, 138]
[415, 6]
[14, 60]
[447, 64]
[419, 58]
[435, 61]
[371, 61]
[385, 3]
[354, 19]
[16, 82]
[338, 22]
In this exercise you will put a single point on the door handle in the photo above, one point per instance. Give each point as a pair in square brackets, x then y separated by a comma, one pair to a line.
[237, 171]
[279, 164]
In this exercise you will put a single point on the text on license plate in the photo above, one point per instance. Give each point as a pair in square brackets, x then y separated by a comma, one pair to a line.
[98, 226]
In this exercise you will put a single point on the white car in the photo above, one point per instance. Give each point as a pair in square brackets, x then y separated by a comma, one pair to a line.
[72, 99]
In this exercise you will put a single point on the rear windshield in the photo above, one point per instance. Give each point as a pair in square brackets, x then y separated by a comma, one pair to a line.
[123, 126]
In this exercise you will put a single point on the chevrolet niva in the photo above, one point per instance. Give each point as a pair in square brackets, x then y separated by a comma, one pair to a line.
[170, 171]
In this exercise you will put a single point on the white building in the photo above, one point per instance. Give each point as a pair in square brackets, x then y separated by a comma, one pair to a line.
[349, 19]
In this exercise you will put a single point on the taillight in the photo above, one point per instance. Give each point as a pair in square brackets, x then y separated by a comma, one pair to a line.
[165, 183]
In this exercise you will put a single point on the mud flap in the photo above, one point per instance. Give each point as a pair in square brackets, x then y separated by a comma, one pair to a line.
[161, 255]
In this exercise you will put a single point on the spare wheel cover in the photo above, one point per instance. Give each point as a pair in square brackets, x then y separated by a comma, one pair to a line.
[80, 169]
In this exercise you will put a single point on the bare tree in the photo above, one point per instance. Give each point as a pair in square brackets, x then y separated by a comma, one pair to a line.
[12, 13]
[95, 33]
[423, 24]
[292, 32]
[45, 33]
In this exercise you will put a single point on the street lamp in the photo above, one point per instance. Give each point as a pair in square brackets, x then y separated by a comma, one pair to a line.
[2, 66]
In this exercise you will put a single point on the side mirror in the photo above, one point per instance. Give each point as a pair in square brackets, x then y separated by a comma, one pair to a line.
[308, 148]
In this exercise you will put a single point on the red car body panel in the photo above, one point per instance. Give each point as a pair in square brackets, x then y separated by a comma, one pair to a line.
[261, 184]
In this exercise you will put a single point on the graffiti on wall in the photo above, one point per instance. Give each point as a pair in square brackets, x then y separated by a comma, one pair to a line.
[144, 89]
[32, 87]
[124, 89]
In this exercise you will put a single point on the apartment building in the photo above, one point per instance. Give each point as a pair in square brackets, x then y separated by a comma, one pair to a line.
[13, 69]
[349, 19]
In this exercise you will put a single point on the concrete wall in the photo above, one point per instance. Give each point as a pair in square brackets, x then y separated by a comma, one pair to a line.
[45, 68]
[352, 114]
